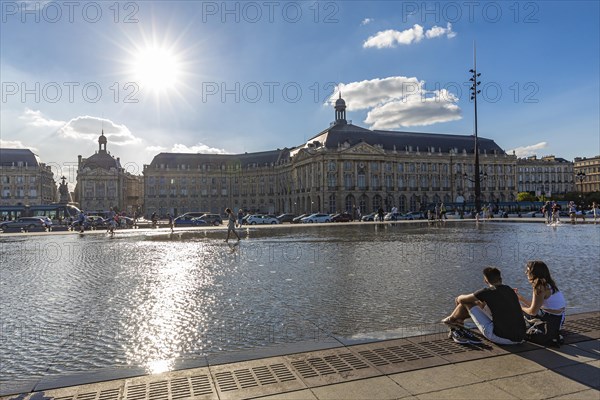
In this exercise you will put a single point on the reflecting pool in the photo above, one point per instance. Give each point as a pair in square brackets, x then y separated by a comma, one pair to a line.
[79, 303]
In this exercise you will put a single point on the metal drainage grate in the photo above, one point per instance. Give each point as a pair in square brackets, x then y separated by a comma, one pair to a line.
[253, 377]
[447, 347]
[332, 364]
[110, 394]
[581, 325]
[395, 354]
[178, 388]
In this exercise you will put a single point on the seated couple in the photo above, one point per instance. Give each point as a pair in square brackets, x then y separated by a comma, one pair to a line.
[498, 310]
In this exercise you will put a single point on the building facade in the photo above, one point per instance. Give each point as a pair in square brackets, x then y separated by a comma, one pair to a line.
[342, 167]
[102, 184]
[24, 179]
[590, 182]
[545, 176]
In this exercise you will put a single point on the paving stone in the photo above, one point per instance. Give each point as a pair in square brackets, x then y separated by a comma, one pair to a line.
[305, 394]
[502, 366]
[552, 358]
[381, 388]
[590, 394]
[591, 346]
[539, 385]
[435, 379]
[586, 373]
[476, 391]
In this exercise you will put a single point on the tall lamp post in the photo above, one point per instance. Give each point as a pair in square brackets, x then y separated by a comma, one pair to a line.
[580, 177]
[474, 92]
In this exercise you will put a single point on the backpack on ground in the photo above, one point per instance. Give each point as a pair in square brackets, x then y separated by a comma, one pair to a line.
[544, 329]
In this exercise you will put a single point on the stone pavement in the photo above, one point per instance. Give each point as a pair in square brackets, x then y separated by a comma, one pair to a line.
[421, 367]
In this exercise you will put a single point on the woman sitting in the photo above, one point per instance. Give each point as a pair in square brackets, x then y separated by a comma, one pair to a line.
[546, 296]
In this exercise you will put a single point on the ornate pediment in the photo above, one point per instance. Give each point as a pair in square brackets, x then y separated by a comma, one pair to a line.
[363, 148]
[302, 155]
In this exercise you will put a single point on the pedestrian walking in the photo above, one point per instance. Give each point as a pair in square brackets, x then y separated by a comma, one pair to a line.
[170, 217]
[240, 218]
[230, 224]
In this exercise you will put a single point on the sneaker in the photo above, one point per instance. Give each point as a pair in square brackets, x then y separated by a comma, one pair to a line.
[473, 339]
[458, 336]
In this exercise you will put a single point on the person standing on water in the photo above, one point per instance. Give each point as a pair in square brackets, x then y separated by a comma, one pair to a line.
[230, 224]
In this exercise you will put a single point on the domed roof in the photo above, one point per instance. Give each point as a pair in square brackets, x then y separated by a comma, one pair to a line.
[340, 102]
[100, 160]
[102, 138]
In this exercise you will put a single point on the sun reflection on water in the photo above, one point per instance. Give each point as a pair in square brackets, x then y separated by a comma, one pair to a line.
[175, 298]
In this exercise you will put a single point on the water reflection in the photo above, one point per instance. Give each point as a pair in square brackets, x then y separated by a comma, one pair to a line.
[147, 299]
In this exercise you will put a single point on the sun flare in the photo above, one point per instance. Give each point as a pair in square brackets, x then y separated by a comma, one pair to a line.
[156, 68]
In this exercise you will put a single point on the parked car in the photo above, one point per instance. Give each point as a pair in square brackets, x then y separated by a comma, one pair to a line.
[185, 220]
[298, 219]
[414, 215]
[198, 221]
[96, 221]
[211, 219]
[261, 219]
[341, 217]
[286, 218]
[369, 217]
[47, 221]
[393, 217]
[316, 217]
[23, 223]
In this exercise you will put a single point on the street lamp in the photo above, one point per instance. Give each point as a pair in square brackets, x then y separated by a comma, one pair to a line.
[580, 177]
[474, 92]
[477, 181]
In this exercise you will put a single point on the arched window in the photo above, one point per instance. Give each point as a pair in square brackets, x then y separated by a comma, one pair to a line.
[402, 203]
[332, 204]
[350, 202]
[376, 202]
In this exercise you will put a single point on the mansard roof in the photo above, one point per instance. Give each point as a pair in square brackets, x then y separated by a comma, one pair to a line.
[339, 134]
[101, 160]
[12, 157]
[195, 161]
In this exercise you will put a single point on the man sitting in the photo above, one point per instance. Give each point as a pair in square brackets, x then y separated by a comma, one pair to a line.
[495, 310]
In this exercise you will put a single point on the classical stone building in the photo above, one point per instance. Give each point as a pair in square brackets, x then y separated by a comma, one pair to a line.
[590, 182]
[103, 184]
[545, 176]
[24, 179]
[339, 168]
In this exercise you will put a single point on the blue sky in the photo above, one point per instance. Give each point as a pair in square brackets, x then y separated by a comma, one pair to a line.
[232, 77]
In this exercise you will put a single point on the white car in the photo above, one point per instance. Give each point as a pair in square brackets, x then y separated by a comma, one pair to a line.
[261, 219]
[317, 217]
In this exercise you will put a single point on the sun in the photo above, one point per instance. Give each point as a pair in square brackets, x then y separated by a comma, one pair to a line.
[156, 68]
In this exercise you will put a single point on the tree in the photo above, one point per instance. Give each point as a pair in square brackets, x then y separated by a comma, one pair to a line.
[526, 196]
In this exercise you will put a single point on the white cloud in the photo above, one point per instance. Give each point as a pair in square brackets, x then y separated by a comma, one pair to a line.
[526, 151]
[156, 149]
[198, 148]
[38, 120]
[366, 21]
[392, 38]
[439, 31]
[89, 128]
[15, 144]
[399, 101]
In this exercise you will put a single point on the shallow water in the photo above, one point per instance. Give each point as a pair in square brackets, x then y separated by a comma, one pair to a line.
[73, 303]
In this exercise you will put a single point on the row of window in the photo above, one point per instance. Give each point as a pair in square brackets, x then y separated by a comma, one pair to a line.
[18, 193]
[566, 170]
[19, 179]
